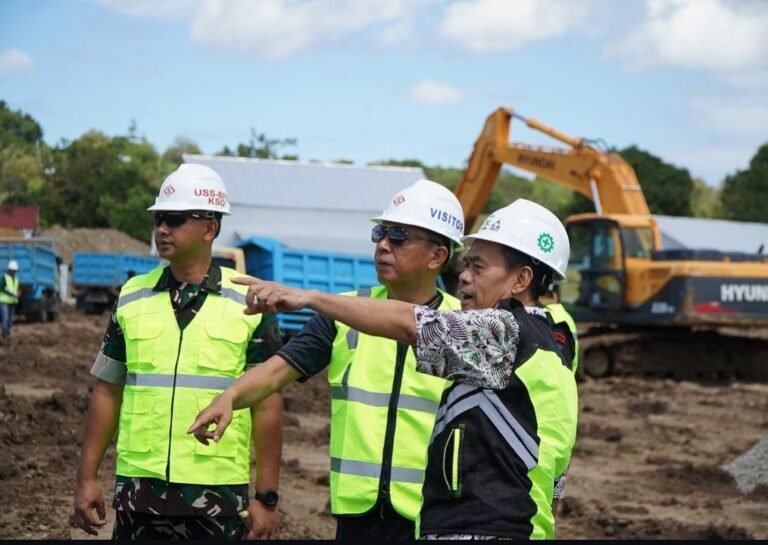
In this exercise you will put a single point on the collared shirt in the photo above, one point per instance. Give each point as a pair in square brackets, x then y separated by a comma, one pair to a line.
[157, 496]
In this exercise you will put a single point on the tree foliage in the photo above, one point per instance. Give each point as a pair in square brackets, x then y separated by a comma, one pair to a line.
[17, 128]
[181, 145]
[261, 147]
[745, 194]
[99, 180]
[667, 188]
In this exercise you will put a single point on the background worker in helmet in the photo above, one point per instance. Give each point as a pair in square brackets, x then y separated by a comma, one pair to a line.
[506, 427]
[176, 339]
[383, 410]
[9, 296]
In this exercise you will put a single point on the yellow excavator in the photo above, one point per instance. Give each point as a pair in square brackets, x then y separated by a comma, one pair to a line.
[641, 309]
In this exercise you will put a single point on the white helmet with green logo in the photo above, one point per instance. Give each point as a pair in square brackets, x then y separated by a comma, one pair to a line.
[528, 228]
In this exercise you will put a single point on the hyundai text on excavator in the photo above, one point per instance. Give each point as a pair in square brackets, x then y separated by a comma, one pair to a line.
[641, 309]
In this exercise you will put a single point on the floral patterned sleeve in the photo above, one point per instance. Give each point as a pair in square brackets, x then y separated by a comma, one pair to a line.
[475, 347]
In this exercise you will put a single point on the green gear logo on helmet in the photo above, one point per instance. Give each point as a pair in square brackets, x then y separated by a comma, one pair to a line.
[546, 242]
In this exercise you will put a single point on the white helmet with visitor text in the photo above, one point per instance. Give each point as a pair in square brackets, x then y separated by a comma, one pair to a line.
[192, 187]
[428, 205]
[531, 229]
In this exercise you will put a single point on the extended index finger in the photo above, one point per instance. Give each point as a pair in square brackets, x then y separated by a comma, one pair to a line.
[245, 280]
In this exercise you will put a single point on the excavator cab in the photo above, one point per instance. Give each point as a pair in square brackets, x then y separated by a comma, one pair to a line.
[596, 277]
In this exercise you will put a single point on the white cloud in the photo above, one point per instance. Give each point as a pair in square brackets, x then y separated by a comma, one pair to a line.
[278, 29]
[739, 116]
[719, 35]
[397, 34]
[502, 25]
[432, 92]
[15, 60]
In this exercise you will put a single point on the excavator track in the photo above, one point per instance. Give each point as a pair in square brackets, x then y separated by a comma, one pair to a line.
[678, 353]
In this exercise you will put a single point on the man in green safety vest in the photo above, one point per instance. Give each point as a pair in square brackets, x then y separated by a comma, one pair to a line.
[9, 297]
[177, 338]
[506, 426]
[383, 410]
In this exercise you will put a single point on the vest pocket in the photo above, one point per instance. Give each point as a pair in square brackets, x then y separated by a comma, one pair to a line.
[225, 447]
[226, 349]
[452, 460]
[140, 332]
[136, 426]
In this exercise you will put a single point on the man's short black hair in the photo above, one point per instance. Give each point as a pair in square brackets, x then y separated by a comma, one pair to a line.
[542, 274]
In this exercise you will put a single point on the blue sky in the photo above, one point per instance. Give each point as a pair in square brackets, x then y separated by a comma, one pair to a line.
[366, 80]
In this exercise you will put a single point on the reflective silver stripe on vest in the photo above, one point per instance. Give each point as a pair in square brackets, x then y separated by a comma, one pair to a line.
[135, 296]
[236, 296]
[376, 399]
[505, 423]
[352, 334]
[182, 381]
[370, 469]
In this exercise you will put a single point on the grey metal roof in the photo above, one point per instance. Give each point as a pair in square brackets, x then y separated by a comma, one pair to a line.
[703, 233]
[307, 206]
[320, 186]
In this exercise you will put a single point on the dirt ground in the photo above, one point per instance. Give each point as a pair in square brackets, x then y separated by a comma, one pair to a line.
[646, 465]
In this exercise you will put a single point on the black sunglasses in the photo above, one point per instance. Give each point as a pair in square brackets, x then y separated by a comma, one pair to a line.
[177, 219]
[396, 235]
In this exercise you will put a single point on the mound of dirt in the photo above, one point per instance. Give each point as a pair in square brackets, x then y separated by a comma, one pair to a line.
[69, 241]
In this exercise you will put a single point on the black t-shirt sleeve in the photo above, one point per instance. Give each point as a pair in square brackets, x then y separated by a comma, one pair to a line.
[309, 351]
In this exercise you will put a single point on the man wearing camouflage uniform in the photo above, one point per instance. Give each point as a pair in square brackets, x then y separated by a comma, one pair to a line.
[176, 339]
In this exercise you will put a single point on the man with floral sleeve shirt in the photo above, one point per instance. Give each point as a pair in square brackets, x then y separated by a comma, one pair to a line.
[506, 426]
[177, 337]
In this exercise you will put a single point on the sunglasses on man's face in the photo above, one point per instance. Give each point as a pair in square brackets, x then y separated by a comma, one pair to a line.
[397, 235]
[177, 219]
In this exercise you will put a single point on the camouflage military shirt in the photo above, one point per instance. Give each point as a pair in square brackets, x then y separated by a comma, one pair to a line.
[156, 496]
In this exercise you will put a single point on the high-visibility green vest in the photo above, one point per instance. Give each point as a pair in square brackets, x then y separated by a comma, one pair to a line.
[173, 374]
[560, 315]
[11, 285]
[382, 416]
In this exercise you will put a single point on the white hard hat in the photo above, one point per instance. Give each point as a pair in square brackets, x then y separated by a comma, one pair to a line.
[192, 187]
[13, 265]
[531, 229]
[428, 205]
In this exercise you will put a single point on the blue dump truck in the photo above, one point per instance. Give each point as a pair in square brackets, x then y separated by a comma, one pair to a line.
[98, 276]
[268, 259]
[38, 276]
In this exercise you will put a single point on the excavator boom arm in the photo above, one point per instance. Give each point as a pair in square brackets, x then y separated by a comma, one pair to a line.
[603, 177]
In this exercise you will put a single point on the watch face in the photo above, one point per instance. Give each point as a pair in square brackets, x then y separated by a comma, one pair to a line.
[270, 497]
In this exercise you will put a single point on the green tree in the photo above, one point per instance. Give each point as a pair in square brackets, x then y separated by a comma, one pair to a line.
[21, 176]
[705, 200]
[96, 180]
[667, 188]
[261, 147]
[745, 194]
[18, 128]
[178, 148]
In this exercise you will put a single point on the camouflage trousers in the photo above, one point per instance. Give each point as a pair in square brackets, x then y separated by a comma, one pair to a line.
[131, 525]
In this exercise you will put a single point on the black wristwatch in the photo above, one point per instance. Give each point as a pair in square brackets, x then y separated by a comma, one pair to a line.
[268, 497]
